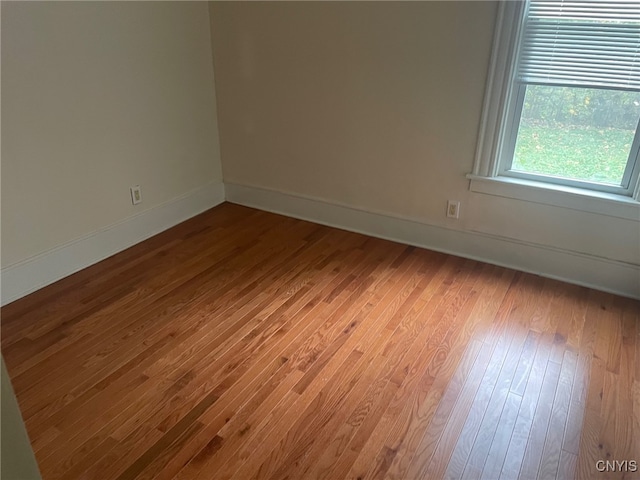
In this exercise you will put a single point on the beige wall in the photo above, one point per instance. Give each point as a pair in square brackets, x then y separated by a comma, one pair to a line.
[372, 104]
[377, 105]
[96, 97]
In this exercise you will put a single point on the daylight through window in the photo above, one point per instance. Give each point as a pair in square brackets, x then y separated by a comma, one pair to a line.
[571, 95]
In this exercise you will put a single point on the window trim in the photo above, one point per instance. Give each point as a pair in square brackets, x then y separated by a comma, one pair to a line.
[498, 130]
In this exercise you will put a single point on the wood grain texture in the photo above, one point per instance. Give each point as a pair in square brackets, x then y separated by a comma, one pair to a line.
[242, 344]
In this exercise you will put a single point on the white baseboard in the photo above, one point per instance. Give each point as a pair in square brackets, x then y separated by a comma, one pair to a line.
[578, 268]
[36, 272]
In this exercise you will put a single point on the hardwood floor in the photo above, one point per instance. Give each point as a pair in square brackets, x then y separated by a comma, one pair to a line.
[242, 344]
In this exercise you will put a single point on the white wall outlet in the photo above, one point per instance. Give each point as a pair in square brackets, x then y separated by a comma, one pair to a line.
[136, 194]
[453, 209]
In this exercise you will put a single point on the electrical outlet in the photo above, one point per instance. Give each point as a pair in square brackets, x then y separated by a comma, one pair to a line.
[453, 209]
[136, 194]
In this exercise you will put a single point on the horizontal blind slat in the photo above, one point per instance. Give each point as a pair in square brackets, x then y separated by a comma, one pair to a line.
[576, 41]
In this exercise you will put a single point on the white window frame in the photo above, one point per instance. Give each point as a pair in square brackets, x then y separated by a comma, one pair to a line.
[498, 131]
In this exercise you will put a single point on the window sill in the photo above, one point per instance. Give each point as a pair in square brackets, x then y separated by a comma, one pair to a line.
[557, 195]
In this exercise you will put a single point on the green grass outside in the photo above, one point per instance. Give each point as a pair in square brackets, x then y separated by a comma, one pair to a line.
[577, 152]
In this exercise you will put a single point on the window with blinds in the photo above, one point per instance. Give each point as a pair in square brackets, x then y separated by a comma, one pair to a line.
[582, 44]
[572, 96]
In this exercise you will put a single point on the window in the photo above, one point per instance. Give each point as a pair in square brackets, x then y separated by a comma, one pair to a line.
[562, 109]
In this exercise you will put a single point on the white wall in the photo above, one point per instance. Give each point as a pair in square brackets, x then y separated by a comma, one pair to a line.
[96, 97]
[376, 106]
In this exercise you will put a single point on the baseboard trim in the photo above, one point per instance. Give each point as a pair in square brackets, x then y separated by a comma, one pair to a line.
[578, 268]
[36, 272]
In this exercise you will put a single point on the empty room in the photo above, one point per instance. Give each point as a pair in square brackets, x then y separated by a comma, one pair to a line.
[320, 240]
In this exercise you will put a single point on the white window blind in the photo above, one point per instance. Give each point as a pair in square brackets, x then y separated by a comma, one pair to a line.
[581, 43]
